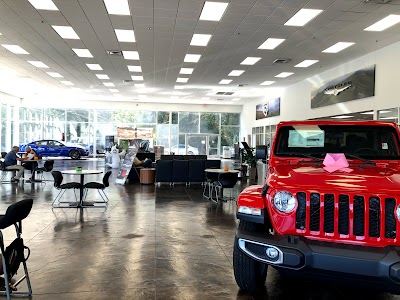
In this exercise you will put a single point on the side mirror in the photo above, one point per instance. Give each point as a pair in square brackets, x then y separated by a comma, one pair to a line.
[262, 152]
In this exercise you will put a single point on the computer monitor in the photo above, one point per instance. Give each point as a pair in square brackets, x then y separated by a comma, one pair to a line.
[246, 146]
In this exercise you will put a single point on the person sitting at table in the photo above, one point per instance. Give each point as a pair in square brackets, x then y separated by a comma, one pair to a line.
[30, 162]
[10, 162]
[147, 163]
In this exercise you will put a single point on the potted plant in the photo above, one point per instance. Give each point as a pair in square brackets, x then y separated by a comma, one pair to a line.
[250, 161]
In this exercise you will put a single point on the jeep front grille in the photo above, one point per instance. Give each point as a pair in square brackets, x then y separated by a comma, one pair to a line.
[347, 216]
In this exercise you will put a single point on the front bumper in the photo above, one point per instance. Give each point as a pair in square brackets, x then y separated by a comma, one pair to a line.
[380, 266]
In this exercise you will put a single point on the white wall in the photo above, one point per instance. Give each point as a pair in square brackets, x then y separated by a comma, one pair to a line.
[296, 99]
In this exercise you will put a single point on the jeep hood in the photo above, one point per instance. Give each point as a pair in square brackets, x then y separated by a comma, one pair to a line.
[370, 179]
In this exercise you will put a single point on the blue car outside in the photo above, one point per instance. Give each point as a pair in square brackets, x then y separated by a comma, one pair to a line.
[54, 148]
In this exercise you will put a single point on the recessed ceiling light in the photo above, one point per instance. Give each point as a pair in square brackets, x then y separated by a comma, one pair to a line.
[134, 55]
[15, 49]
[225, 81]
[38, 64]
[67, 82]
[82, 52]
[342, 117]
[102, 76]
[271, 43]
[385, 23]
[135, 68]
[306, 63]
[250, 60]
[108, 84]
[284, 74]
[125, 35]
[54, 74]
[186, 71]
[367, 113]
[236, 73]
[192, 58]
[139, 85]
[303, 16]
[205, 98]
[235, 99]
[113, 90]
[137, 78]
[338, 47]
[180, 79]
[117, 7]
[43, 4]
[142, 96]
[94, 67]
[179, 87]
[267, 82]
[1, 33]
[200, 39]
[213, 11]
[66, 32]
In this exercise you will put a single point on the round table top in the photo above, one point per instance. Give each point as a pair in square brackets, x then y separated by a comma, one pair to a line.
[83, 172]
[220, 171]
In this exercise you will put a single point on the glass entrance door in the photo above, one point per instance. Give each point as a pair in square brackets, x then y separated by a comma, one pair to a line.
[202, 144]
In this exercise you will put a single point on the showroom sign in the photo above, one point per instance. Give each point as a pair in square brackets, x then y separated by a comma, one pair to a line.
[272, 108]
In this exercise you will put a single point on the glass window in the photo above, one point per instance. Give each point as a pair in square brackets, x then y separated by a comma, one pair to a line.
[54, 114]
[104, 116]
[163, 117]
[79, 115]
[229, 135]
[230, 119]
[389, 115]
[174, 118]
[145, 117]
[209, 123]
[188, 123]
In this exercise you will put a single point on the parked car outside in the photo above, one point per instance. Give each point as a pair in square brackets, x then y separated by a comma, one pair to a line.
[55, 148]
[181, 150]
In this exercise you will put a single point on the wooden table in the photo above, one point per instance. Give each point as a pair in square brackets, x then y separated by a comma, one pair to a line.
[82, 173]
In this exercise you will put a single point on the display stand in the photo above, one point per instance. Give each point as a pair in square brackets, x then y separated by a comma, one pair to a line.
[126, 167]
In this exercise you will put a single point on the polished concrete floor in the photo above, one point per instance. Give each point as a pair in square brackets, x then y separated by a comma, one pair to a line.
[149, 243]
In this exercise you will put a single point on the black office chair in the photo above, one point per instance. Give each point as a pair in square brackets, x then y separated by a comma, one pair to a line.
[4, 172]
[58, 179]
[99, 186]
[47, 167]
[13, 255]
[226, 180]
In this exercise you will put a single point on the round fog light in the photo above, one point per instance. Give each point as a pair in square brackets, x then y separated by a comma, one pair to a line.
[272, 253]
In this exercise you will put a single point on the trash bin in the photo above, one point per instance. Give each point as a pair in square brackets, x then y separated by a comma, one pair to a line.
[226, 152]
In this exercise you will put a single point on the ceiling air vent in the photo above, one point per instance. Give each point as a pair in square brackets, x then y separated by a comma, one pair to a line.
[225, 93]
[281, 61]
[220, 93]
[128, 80]
[115, 53]
[377, 1]
[242, 84]
[229, 93]
[220, 99]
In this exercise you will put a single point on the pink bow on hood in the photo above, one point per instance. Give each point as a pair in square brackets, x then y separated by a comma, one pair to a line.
[336, 162]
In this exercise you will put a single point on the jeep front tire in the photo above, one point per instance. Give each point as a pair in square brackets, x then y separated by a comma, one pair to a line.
[250, 274]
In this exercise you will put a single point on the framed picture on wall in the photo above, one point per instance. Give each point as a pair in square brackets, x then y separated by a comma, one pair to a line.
[271, 108]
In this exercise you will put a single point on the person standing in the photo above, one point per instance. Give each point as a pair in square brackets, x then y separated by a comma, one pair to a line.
[10, 162]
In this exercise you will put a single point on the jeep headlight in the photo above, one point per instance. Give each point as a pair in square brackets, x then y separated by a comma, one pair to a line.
[398, 212]
[284, 202]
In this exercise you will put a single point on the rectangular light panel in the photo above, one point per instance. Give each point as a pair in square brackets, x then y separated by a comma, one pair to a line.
[194, 58]
[82, 52]
[94, 67]
[135, 68]
[250, 61]
[200, 39]
[179, 87]
[303, 16]
[102, 76]
[15, 49]
[134, 55]
[117, 7]
[225, 81]
[342, 117]
[213, 11]
[108, 84]
[180, 79]
[140, 85]
[271, 43]
[236, 73]
[267, 82]
[113, 90]
[125, 35]
[284, 74]
[385, 23]
[306, 63]
[54, 74]
[66, 32]
[338, 47]
[43, 4]
[186, 71]
[137, 78]
[38, 64]
[67, 82]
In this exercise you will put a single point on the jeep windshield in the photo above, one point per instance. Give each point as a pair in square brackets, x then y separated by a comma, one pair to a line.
[368, 142]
